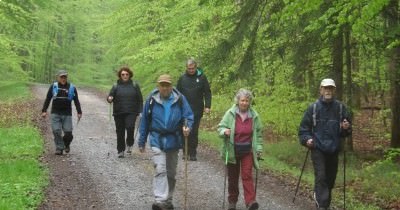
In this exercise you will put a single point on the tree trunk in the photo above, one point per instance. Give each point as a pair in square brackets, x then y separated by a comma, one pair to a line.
[337, 60]
[394, 66]
[349, 94]
[392, 15]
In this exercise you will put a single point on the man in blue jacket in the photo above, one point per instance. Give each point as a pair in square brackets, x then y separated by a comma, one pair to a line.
[324, 124]
[166, 116]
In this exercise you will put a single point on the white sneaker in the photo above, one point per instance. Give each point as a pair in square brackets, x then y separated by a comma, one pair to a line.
[120, 154]
[129, 150]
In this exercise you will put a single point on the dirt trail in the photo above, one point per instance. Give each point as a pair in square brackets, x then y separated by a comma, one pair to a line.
[92, 177]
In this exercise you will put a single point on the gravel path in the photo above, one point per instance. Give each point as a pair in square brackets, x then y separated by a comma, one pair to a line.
[92, 177]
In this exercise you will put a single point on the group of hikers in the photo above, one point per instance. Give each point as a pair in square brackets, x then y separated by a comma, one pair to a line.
[170, 118]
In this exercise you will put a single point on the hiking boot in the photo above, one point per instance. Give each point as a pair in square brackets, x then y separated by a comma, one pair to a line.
[120, 154]
[160, 206]
[253, 206]
[315, 200]
[193, 158]
[169, 206]
[232, 206]
[129, 150]
[67, 149]
[58, 152]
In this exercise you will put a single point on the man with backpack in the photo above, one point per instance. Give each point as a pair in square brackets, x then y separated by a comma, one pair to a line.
[324, 124]
[193, 84]
[166, 117]
[62, 93]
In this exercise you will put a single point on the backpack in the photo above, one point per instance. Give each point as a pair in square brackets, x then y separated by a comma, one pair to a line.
[314, 115]
[114, 87]
[71, 91]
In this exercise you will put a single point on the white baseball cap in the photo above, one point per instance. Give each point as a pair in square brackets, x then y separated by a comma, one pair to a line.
[327, 82]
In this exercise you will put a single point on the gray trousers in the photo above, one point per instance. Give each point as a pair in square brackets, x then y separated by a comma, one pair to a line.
[60, 124]
[165, 164]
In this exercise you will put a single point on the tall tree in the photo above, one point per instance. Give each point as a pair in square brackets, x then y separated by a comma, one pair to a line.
[337, 63]
[391, 14]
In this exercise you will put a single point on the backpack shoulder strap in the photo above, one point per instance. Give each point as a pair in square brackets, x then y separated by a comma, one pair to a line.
[150, 110]
[55, 89]
[314, 115]
[71, 92]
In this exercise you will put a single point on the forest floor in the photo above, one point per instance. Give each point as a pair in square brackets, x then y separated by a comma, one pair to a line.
[92, 177]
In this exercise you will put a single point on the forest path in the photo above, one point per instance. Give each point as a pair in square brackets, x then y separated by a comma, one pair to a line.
[91, 176]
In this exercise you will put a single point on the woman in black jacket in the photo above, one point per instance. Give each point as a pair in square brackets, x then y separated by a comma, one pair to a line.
[127, 102]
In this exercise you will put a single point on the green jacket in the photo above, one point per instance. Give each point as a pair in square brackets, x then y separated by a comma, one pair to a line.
[228, 121]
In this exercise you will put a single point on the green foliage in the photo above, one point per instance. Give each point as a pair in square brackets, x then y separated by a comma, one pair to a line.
[382, 173]
[22, 179]
[13, 90]
[14, 138]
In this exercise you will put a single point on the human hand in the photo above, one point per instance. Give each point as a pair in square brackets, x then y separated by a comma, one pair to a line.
[110, 99]
[142, 149]
[79, 116]
[259, 156]
[345, 124]
[227, 132]
[310, 143]
[185, 131]
[207, 110]
[44, 114]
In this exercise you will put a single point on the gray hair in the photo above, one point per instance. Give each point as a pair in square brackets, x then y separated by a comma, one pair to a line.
[191, 61]
[243, 93]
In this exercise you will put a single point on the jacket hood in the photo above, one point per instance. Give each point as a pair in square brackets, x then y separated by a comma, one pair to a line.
[198, 73]
[252, 112]
[156, 95]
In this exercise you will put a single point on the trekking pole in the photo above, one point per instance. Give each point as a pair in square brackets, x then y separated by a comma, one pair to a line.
[226, 170]
[136, 132]
[77, 122]
[301, 174]
[255, 187]
[344, 177]
[186, 164]
[109, 112]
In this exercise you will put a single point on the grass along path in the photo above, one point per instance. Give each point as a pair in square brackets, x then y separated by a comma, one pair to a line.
[22, 177]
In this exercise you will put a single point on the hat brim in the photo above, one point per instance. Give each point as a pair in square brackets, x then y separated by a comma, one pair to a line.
[164, 81]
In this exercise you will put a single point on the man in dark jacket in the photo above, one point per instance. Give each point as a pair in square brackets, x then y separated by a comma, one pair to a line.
[195, 87]
[62, 93]
[324, 124]
[166, 117]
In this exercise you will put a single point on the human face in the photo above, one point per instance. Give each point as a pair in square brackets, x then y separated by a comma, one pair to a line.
[124, 76]
[191, 69]
[62, 79]
[244, 104]
[327, 92]
[165, 89]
